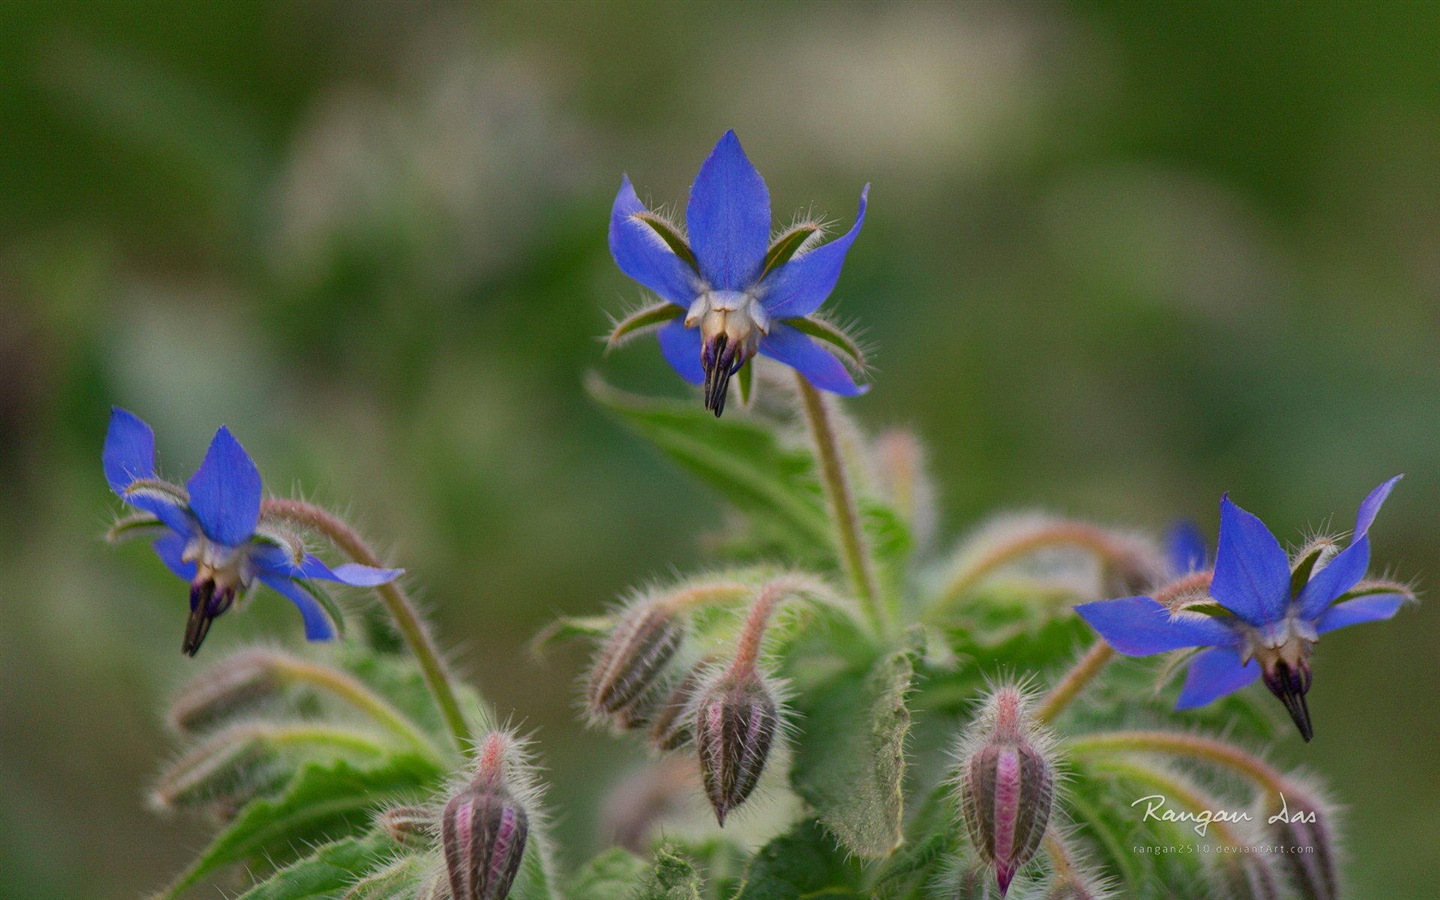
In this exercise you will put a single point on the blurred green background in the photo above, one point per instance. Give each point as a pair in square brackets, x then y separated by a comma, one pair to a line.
[1120, 258]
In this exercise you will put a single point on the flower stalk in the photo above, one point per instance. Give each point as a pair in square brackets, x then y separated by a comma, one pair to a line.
[1194, 746]
[402, 609]
[850, 539]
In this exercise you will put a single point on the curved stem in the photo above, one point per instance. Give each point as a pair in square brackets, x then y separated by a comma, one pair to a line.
[1084, 671]
[407, 618]
[1195, 746]
[352, 691]
[1100, 654]
[747, 648]
[1188, 796]
[1115, 550]
[854, 555]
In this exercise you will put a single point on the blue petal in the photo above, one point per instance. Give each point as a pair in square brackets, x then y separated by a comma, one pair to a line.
[729, 217]
[1140, 626]
[1252, 572]
[799, 286]
[1185, 548]
[1371, 505]
[681, 347]
[643, 255]
[170, 548]
[1214, 674]
[820, 367]
[352, 574]
[129, 452]
[1370, 608]
[225, 491]
[318, 626]
[1339, 576]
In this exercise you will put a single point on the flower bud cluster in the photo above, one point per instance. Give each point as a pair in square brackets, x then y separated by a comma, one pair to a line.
[642, 678]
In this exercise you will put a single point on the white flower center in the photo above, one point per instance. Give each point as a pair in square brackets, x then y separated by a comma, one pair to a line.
[227, 567]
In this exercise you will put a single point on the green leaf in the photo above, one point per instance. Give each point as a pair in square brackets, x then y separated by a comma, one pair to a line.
[745, 378]
[1301, 575]
[932, 842]
[743, 460]
[401, 880]
[670, 236]
[640, 321]
[570, 628]
[610, 876]
[132, 526]
[670, 878]
[803, 863]
[325, 873]
[831, 334]
[327, 603]
[786, 246]
[850, 760]
[323, 801]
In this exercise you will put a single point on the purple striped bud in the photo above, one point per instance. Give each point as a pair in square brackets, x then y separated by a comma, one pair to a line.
[483, 830]
[670, 726]
[1006, 785]
[1302, 830]
[1249, 876]
[736, 718]
[628, 667]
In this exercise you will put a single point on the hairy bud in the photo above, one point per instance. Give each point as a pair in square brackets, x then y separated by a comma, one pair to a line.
[483, 830]
[412, 826]
[1074, 887]
[628, 667]
[670, 727]
[1303, 828]
[1249, 876]
[1006, 785]
[972, 883]
[225, 691]
[220, 773]
[736, 718]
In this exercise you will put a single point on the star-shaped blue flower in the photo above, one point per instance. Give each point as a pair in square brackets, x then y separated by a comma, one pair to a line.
[1270, 613]
[214, 537]
[729, 291]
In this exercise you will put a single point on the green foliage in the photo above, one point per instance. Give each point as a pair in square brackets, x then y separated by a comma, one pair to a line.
[805, 862]
[331, 871]
[611, 875]
[744, 461]
[850, 757]
[669, 878]
[323, 801]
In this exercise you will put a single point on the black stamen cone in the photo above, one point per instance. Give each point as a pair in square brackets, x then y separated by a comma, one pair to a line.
[721, 362]
[1291, 685]
[206, 603]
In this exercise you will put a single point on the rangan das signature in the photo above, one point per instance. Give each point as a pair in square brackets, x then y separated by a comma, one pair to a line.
[1156, 810]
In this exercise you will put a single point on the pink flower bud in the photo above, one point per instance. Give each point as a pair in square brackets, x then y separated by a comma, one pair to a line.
[736, 717]
[483, 830]
[1006, 784]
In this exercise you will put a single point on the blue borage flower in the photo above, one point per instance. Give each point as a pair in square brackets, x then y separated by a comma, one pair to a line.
[729, 291]
[1268, 613]
[215, 537]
